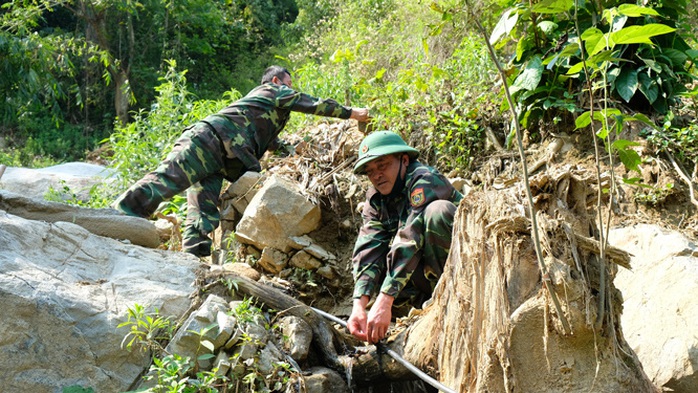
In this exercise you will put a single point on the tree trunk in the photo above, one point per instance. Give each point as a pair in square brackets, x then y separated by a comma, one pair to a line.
[118, 67]
[491, 326]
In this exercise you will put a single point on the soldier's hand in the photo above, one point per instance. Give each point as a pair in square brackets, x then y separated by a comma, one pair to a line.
[357, 320]
[360, 114]
[379, 318]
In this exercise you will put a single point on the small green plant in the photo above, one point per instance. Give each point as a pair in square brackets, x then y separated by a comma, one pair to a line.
[654, 196]
[204, 343]
[96, 196]
[147, 331]
[247, 311]
[231, 284]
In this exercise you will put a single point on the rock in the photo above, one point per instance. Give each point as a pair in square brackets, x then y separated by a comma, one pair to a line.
[277, 212]
[79, 177]
[320, 253]
[222, 364]
[234, 339]
[227, 326]
[268, 357]
[660, 310]
[197, 327]
[323, 380]
[256, 337]
[461, 185]
[316, 252]
[243, 190]
[164, 229]
[303, 260]
[241, 269]
[300, 336]
[300, 242]
[102, 222]
[64, 291]
[273, 260]
[327, 272]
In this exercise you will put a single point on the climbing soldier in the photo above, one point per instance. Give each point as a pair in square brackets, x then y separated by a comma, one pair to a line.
[403, 244]
[224, 146]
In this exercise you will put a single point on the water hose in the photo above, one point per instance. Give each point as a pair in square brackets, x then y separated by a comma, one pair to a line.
[416, 371]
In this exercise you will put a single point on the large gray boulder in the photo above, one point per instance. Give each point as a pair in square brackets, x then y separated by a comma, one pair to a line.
[103, 222]
[660, 309]
[79, 177]
[64, 291]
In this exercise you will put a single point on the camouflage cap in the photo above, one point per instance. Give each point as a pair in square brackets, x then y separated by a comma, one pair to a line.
[381, 143]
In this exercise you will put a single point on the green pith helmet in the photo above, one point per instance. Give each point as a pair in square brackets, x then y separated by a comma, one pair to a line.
[378, 144]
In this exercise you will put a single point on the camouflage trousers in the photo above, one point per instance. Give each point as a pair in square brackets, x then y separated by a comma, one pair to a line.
[438, 222]
[197, 163]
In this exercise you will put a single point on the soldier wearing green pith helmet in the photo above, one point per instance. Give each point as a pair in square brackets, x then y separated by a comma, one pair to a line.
[403, 244]
[224, 146]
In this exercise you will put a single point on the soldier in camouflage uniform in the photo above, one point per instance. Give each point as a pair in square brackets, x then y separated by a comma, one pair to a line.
[224, 146]
[403, 244]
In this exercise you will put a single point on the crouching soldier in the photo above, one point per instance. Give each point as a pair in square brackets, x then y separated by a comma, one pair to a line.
[403, 244]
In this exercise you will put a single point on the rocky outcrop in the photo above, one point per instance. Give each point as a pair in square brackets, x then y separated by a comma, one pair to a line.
[65, 290]
[276, 220]
[660, 307]
[237, 341]
[78, 177]
[102, 222]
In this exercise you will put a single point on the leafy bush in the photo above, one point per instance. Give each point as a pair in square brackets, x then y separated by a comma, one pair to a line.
[624, 51]
[420, 72]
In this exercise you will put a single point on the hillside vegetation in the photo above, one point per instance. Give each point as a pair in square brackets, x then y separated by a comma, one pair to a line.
[473, 85]
[126, 77]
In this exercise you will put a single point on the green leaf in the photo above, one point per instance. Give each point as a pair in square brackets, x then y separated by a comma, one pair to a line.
[591, 37]
[582, 120]
[505, 25]
[552, 6]
[642, 118]
[602, 133]
[635, 11]
[677, 57]
[208, 345]
[206, 356]
[575, 69]
[628, 157]
[626, 83]
[547, 26]
[640, 34]
[530, 77]
[593, 62]
[520, 48]
[624, 143]
[648, 87]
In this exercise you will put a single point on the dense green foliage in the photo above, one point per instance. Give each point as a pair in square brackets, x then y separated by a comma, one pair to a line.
[629, 52]
[421, 67]
[70, 67]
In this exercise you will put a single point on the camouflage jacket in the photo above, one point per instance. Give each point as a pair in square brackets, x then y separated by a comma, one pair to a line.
[400, 220]
[250, 125]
